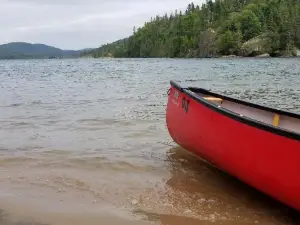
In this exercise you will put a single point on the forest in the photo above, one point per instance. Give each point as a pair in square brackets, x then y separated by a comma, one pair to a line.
[217, 28]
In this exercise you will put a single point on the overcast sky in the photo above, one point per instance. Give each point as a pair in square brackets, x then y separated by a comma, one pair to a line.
[76, 24]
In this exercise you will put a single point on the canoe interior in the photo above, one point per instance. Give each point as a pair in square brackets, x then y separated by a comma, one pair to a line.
[265, 116]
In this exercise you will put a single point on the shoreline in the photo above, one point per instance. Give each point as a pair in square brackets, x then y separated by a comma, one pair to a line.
[216, 57]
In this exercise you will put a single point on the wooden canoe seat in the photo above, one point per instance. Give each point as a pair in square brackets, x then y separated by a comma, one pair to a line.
[213, 99]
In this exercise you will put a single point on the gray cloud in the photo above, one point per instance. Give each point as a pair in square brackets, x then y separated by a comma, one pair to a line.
[75, 24]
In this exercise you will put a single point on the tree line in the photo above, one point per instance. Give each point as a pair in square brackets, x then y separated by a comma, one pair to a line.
[216, 28]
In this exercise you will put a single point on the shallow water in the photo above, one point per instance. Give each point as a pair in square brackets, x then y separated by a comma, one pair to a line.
[85, 142]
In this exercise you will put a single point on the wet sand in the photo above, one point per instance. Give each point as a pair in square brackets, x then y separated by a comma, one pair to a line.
[188, 192]
[85, 142]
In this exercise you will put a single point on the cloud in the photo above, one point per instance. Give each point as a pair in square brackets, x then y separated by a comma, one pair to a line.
[75, 24]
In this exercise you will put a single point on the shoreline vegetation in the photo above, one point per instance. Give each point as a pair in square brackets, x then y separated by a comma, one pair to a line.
[216, 29]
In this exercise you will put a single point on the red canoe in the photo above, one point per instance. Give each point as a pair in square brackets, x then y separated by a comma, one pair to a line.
[254, 143]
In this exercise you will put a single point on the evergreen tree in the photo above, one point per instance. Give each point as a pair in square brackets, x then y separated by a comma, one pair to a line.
[218, 27]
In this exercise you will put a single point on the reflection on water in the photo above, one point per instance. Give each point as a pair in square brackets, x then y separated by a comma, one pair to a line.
[85, 142]
[198, 193]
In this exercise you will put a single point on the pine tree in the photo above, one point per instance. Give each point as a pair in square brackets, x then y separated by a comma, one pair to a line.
[214, 28]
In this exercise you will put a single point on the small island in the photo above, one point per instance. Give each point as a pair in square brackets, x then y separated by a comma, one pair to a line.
[220, 28]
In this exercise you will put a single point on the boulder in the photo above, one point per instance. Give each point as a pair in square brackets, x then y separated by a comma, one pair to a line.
[256, 46]
[266, 55]
[296, 52]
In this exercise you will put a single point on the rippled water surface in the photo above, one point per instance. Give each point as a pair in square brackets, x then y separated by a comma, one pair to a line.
[85, 142]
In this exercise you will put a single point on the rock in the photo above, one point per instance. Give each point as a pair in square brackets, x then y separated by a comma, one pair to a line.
[108, 55]
[188, 211]
[134, 202]
[295, 52]
[256, 46]
[265, 55]
[229, 56]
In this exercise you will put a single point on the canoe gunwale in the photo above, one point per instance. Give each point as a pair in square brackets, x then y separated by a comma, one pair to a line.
[191, 91]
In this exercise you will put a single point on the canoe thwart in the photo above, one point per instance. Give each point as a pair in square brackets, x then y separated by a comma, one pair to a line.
[276, 119]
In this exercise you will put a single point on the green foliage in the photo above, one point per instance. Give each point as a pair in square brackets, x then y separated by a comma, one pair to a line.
[216, 28]
[230, 42]
[250, 25]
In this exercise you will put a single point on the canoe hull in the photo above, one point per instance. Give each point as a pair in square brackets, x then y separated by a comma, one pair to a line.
[262, 159]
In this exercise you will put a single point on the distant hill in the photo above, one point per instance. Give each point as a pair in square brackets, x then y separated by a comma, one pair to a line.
[23, 50]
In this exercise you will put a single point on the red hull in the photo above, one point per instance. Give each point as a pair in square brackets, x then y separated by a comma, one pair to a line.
[263, 159]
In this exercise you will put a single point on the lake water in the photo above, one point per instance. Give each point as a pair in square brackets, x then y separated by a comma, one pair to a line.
[85, 142]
